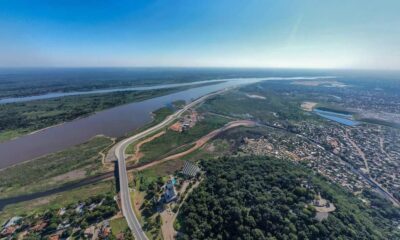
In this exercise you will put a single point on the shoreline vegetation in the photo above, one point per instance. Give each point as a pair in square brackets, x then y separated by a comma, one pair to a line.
[167, 143]
[82, 154]
[14, 178]
[33, 82]
[238, 187]
[17, 119]
[54, 170]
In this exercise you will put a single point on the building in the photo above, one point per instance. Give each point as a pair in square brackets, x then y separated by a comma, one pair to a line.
[13, 221]
[177, 127]
[54, 237]
[89, 232]
[322, 207]
[61, 211]
[39, 226]
[79, 208]
[8, 231]
[190, 169]
[170, 193]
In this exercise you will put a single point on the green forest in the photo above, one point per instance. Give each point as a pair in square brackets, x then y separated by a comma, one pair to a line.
[266, 198]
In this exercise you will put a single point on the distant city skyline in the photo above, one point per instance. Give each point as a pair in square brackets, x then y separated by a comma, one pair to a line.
[227, 33]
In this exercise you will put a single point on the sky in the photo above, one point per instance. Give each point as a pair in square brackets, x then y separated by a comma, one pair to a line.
[201, 33]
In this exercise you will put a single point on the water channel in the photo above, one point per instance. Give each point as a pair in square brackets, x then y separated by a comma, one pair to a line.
[114, 122]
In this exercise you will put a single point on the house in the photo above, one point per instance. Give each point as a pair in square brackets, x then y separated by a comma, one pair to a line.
[63, 225]
[92, 206]
[105, 231]
[61, 211]
[79, 208]
[106, 223]
[177, 127]
[54, 237]
[39, 226]
[170, 193]
[8, 231]
[89, 232]
[13, 221]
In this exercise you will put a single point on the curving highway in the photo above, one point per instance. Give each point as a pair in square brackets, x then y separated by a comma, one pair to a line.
[127, 208]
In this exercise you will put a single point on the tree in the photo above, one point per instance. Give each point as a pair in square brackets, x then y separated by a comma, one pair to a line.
[263, 198]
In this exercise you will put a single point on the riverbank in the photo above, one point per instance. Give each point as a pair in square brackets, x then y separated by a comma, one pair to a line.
[31, 117]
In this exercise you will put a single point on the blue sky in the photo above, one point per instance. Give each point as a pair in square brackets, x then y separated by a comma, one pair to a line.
[220, 33]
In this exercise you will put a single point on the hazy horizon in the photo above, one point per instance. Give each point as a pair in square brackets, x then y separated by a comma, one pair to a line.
[304, 34]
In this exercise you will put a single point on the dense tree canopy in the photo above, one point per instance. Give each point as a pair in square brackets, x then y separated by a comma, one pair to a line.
[263, 198]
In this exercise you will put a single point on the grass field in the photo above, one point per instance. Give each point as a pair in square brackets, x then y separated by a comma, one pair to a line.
[54, 169]
[213, 149]
[57, 201]
[168, 142]
[118, 225]
[237, 104]
[10, 134]
[158, 116]
[152, 174]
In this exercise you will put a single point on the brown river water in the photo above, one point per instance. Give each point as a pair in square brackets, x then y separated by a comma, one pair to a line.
[114, 122]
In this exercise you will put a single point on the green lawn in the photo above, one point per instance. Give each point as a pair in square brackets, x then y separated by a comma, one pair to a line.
[239, 105]
[221, 148]
[168, 142]
[10, 134]
[118, 225]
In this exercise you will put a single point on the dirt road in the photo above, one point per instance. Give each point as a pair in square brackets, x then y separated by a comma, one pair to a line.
[137, 154]
[199, 143]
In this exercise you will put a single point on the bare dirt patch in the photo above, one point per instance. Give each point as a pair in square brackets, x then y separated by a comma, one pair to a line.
[41, 201]
[199, 143]
[137, 154]
[167, 227]
[308, 106]
[110, 157]
[210, 147]
[168, 217]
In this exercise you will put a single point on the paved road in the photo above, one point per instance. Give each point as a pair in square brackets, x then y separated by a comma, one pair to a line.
[120, 148]
[366, 177]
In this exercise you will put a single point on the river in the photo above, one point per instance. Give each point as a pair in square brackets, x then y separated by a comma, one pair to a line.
[114, 122]
[101, 91]
[346, 119]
